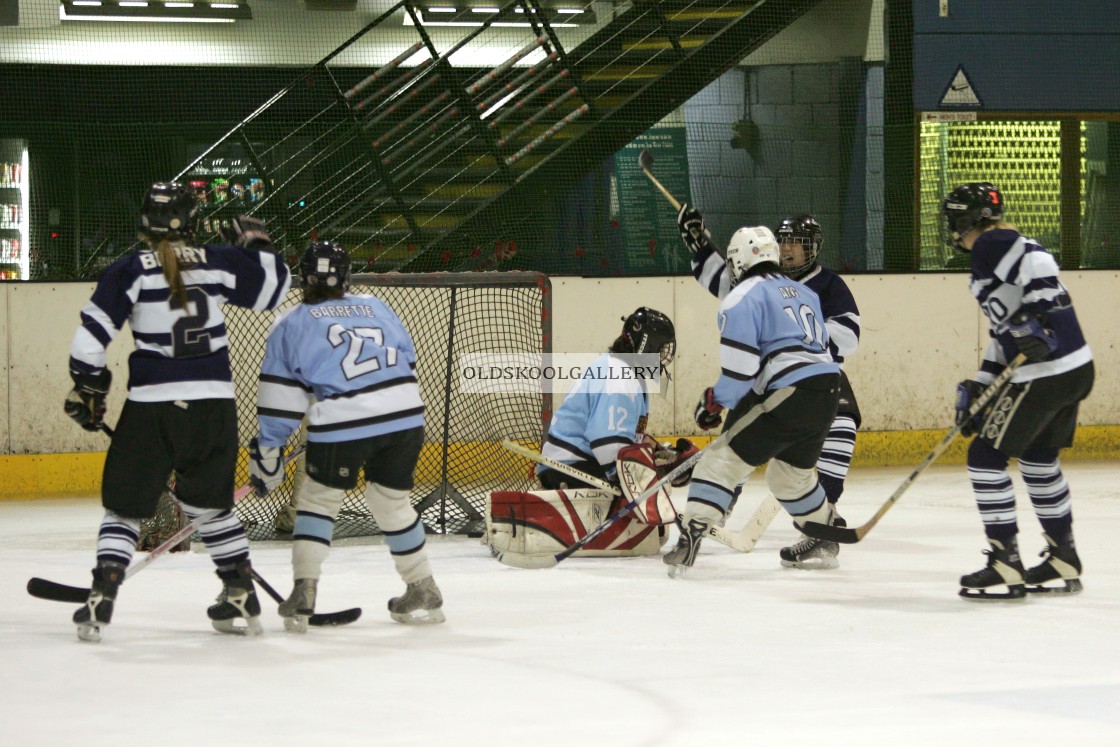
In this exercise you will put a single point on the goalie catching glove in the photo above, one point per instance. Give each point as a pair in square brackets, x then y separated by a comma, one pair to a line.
[266, 467]
[86, 401]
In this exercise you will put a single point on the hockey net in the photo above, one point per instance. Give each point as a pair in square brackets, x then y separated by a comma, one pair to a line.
[448, 315]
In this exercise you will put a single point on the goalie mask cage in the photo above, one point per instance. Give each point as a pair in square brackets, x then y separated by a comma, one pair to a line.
[448, 315]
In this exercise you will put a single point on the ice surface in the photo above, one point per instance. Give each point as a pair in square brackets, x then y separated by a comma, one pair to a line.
[592, 652]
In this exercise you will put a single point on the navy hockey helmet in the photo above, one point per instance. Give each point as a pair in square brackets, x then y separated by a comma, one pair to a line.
[169, 211]
[800, 229]
[972, 205]
[648, 331]
[325, 264]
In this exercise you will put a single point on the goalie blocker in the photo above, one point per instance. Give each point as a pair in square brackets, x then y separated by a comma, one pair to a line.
[545, 522]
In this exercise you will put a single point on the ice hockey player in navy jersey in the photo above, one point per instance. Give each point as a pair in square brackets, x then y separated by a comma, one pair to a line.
[180, 414]
[800, 239]
[1015, 281]
[781, 386]
[349, 364]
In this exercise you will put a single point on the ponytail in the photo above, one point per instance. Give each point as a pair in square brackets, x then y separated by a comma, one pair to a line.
[169, 261]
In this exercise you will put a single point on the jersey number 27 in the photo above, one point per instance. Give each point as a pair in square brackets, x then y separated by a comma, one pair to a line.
[352, 367]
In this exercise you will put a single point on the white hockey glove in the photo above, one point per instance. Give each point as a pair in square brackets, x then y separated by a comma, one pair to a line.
[636, 473]
[266, 467]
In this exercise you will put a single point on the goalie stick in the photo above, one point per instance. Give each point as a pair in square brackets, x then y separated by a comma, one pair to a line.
[849, 536]
[548, 561]
[53, 591]
[744, 540]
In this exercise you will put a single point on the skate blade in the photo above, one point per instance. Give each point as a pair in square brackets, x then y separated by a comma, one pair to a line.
[248, 626]
[816, 564]
[296, 623]
[1015, 593]
[678, 571]
[1072, 586]
[89, 632]
[419, 617]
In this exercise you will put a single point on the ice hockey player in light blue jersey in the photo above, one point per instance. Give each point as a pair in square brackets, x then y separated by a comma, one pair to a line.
[780, 385]
[608, 408]
[349, 364]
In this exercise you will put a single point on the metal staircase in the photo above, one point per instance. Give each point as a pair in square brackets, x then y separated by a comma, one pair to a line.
[420, 163]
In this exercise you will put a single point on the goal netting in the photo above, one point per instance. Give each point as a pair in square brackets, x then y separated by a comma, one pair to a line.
[449, 315]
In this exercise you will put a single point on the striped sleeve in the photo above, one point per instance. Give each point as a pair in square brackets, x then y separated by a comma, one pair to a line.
[103, 317]
[282, 399]
[710, 271]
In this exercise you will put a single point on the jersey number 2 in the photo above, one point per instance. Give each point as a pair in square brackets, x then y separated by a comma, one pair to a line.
[351, 366]
[188, 335]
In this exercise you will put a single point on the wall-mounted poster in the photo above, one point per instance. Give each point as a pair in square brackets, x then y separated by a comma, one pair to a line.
[648, 222]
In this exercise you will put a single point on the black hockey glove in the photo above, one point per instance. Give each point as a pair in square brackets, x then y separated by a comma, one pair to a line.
[967, 392]
[691, 225]
[668, 456]
[86, 401]
[1033, 339]
[266, 467]
[246, 231]
[709, 413]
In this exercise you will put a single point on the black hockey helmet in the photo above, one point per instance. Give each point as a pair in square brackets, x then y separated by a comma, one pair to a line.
[803, 229]
[648, 331]
[325, 264]
[972, 205]
[169, 211]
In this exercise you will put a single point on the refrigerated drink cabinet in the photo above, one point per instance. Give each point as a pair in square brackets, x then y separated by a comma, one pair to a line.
[14, 261]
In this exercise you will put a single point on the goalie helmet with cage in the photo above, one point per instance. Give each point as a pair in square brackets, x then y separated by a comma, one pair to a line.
[325, 265]
[800, 229]
[751, 246]
[169, 211]
[969, 206]
[648, 330]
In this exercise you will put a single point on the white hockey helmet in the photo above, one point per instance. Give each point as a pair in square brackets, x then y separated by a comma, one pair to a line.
[748, 247]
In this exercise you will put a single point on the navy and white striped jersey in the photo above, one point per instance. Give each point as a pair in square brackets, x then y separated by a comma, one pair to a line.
[1010, 272]
[601, 414]
[349, 363]
[181, 352]
[772, 335]
[837, 302]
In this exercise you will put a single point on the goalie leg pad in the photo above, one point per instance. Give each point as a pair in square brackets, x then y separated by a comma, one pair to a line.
[544, 522]
[404, 532]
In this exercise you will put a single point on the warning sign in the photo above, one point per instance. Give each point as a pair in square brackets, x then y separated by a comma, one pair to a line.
[960, 91]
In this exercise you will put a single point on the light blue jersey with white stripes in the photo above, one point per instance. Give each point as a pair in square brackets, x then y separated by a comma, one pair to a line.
[348, 363]
[772, 335]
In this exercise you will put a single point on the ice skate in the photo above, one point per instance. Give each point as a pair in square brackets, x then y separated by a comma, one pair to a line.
[681, 557]
[421, 603]
[1061, 563]
[95, 615]
[814, 554]
[1004, 569]
[300, 605]
[238, 601]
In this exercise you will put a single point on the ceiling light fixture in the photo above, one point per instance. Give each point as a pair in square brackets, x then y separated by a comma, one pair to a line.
[154, 11]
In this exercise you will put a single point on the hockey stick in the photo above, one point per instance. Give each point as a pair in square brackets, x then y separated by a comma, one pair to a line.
[645, 161]
[56, 592]
[318, 619]
[743, 541]
[548, 561]
[849, 536]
